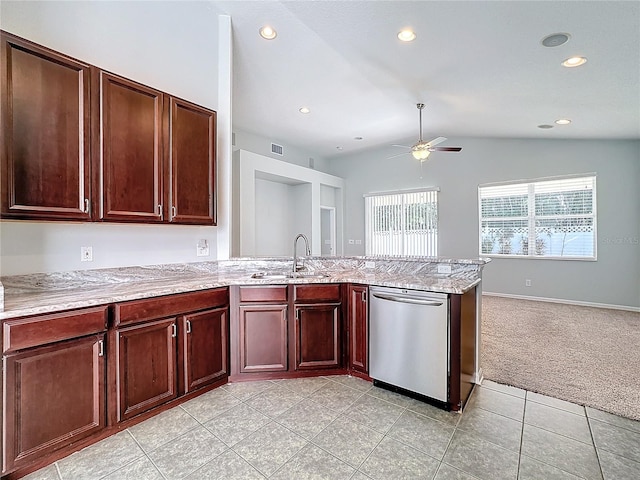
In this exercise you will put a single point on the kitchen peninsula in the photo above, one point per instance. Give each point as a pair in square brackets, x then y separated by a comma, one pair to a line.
[124, 344]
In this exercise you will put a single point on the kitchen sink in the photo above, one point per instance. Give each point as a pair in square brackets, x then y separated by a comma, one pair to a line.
[307, 275]
[283, 275]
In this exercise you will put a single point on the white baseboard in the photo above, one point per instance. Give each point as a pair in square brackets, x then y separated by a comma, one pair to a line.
[561, 300]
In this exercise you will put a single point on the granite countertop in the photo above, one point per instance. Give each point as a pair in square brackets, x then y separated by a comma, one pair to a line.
[45, 293]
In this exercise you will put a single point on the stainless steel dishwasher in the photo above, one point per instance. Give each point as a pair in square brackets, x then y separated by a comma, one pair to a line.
[409, 340]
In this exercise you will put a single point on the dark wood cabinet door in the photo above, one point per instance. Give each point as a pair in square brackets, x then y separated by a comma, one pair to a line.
[317, 336]
[193, 163]
[204, 343]
[131, 150]
[54, 396]
[358, 328]
[263, 338]
[146, 358]
[45, 137]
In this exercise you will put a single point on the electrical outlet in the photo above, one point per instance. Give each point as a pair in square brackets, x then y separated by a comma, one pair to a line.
[527, 283]
[443, 268]
[369, 264]
[86, 254]
[351, 241]
[202, 248]
[358, 242]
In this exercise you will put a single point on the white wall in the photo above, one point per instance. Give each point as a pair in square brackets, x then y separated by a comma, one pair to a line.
[613, 279]
[307, 212]
[148, 42]
[291, 153]
[273, 218]
[305, 192]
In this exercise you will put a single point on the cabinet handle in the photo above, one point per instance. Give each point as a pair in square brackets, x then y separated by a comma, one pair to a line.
[160, 210]
[297, 314]
[364, 296]
[100, 348]
[174, 330]
[86, 205]
[173, 212]
[188, 326]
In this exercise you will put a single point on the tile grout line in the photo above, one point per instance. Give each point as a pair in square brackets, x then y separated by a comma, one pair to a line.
[144, 453]
[595, 448]
[58, 470]
[524, 413]
[384, 435]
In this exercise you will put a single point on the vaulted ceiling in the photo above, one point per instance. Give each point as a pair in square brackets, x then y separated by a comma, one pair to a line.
[479, 66]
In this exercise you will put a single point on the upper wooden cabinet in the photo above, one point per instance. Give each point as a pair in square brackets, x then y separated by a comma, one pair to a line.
[131, 153]
[80, 143]
[45, 133]
[157, 155]
[192, 163]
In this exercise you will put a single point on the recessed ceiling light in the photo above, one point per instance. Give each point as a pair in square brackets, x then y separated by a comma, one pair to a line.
[304, 110]
[545, 126]
[407, 35]
[574, 62]
[563, 121]
[555, 39]
[268, 33]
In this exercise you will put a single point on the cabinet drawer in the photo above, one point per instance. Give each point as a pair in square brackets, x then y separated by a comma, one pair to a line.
[276, 293]
[316, 293]
[33, 331]
[158, 307]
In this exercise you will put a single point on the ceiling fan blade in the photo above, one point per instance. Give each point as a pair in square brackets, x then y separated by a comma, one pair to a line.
[445, 149]
[436, 141]
[398, 155]
[402, 146]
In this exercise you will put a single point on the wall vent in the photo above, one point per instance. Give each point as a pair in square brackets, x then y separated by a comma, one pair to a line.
[277, 149]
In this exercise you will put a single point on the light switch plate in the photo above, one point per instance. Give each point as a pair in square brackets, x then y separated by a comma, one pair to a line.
[202, 248]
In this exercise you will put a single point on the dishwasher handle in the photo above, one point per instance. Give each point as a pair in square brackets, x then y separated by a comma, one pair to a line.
[414, 301]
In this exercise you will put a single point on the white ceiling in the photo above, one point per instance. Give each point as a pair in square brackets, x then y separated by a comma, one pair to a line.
[478, 66]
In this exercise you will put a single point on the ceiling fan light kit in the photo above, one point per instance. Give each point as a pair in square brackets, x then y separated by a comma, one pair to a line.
[421, 150]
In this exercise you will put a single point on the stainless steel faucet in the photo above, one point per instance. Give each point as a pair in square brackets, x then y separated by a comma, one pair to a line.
[295, 254]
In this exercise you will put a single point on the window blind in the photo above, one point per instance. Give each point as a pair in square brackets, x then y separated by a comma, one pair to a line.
[404, 223]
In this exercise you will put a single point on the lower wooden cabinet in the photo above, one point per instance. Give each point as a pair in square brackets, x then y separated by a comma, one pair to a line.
[358, 328]
[279, 330]
[263, 332]
[318, 336]
[163, 350]
[146, 358]
[54, 395]
[203, 348]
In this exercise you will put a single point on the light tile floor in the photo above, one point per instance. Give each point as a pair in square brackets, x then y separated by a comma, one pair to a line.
[342, 427]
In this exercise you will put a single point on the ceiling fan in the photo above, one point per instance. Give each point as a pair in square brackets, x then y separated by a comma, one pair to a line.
[421, 150]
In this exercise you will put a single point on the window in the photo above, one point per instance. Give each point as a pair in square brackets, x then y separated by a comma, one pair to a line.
[402, 223]
[553, 218]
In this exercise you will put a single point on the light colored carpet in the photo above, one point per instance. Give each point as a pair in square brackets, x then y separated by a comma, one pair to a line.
[586, 355]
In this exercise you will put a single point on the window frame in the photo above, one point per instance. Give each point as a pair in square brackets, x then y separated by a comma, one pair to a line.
[401, 193]
[532, 217]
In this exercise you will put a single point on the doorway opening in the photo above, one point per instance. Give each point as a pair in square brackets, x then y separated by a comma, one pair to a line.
[328, 231]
